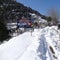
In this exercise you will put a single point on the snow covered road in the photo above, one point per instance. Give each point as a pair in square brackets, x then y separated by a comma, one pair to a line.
[40, 46]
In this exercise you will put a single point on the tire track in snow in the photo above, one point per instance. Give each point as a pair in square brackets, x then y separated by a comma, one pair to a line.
[43, 49]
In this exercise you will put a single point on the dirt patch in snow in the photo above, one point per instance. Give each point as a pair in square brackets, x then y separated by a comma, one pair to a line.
[51, 49]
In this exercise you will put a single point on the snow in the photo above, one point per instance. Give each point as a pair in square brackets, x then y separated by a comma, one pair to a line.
[11, 23]
[33, 47]
[42, 20]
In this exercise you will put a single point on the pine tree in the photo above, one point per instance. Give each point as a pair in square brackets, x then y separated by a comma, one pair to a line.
[4, 33]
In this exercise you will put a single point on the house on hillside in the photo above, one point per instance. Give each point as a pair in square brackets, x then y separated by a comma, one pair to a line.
[24, 23]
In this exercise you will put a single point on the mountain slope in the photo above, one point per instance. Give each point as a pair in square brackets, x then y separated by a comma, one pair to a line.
[13, 10]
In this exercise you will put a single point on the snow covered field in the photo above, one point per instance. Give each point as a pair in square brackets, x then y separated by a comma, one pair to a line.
[44, 44]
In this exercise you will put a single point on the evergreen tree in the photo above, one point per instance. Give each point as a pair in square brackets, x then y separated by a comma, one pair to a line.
[4, 33]
[49, 19]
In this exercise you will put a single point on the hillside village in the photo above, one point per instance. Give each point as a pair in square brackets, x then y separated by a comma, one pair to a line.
[26, 24]
[11, 12]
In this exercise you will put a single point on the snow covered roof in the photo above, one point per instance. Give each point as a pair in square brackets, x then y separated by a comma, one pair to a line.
[11, 25]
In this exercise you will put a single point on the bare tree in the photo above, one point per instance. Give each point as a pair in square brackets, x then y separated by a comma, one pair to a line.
[54, 14]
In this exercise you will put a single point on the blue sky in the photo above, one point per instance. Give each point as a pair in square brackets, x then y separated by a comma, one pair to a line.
[41, 5]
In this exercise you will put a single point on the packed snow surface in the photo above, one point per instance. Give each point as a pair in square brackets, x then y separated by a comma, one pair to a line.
[42, 44]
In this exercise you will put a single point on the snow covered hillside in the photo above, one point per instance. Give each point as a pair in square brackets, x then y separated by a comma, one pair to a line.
[43, 44]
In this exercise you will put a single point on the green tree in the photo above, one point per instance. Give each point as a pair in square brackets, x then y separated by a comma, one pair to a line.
[49, 19]
[4, 33]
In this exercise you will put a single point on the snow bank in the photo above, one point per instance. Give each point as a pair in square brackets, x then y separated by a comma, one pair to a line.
[49, 40]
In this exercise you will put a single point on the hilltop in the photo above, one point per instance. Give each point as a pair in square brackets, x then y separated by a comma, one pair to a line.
[12, 10]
